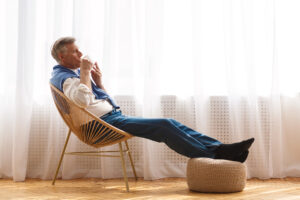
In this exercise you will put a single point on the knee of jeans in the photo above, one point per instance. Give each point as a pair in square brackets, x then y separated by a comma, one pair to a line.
[167, 121]
[173, 120]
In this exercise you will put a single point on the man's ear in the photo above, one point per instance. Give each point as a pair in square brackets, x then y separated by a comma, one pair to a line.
[61, 57]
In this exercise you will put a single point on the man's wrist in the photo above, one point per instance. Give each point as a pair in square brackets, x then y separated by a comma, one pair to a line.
[85, 78]
[85, 72]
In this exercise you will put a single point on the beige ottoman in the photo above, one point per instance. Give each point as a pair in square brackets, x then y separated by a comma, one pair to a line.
[214, 175]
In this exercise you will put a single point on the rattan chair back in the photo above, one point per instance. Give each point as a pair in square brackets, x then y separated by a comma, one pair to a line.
[89, 128]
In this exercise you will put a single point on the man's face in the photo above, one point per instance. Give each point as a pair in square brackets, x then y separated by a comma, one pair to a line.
[70, 58]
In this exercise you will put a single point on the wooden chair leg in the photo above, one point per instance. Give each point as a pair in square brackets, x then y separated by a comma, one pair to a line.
[131, 161]
[62, 156]
[124, 167]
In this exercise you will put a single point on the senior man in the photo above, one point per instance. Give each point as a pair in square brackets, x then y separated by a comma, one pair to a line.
[73, 76]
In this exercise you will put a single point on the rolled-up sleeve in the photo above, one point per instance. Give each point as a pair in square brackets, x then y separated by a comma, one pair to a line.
[78, 92]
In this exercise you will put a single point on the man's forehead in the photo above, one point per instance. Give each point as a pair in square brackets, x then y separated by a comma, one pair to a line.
[72, 46]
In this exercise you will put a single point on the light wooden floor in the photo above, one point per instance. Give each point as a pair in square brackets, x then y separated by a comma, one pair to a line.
[170, 188]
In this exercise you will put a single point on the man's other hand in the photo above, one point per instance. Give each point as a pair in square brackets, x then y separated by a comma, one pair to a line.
[97, 75]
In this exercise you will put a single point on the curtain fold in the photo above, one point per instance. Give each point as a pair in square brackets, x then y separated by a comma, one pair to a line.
[226, 68]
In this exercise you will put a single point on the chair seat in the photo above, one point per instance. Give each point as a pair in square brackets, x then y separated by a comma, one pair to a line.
[214, 175]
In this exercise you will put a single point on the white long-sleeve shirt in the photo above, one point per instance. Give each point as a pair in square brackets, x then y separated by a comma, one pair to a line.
[83, 96]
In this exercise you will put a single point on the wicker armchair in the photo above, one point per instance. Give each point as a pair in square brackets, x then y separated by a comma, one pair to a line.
[91, 130]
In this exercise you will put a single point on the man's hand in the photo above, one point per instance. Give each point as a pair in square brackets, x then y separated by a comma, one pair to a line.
[86, 65]
[85, 69]
[97, 75]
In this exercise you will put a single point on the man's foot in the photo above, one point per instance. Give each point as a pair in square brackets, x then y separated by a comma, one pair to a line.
[230, 151]
[241, 158]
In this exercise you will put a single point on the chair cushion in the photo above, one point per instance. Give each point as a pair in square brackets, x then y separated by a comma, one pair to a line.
[214, 175]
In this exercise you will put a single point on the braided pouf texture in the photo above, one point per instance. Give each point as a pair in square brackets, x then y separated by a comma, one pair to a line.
[214, 175]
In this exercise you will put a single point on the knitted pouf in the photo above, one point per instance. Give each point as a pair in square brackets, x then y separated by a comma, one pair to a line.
[214, 175]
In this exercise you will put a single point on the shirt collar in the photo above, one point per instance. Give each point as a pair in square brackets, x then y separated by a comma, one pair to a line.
[75, 71]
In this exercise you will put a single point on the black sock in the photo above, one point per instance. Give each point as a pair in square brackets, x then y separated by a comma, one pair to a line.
[242, 157]
[230, 151]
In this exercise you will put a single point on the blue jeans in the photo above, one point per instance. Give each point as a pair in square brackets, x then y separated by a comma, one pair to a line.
[177, 136]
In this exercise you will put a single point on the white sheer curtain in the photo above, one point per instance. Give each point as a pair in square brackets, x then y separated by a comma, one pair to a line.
[226, 68]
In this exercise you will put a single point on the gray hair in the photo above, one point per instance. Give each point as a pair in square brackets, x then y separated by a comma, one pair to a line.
[59, 46]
